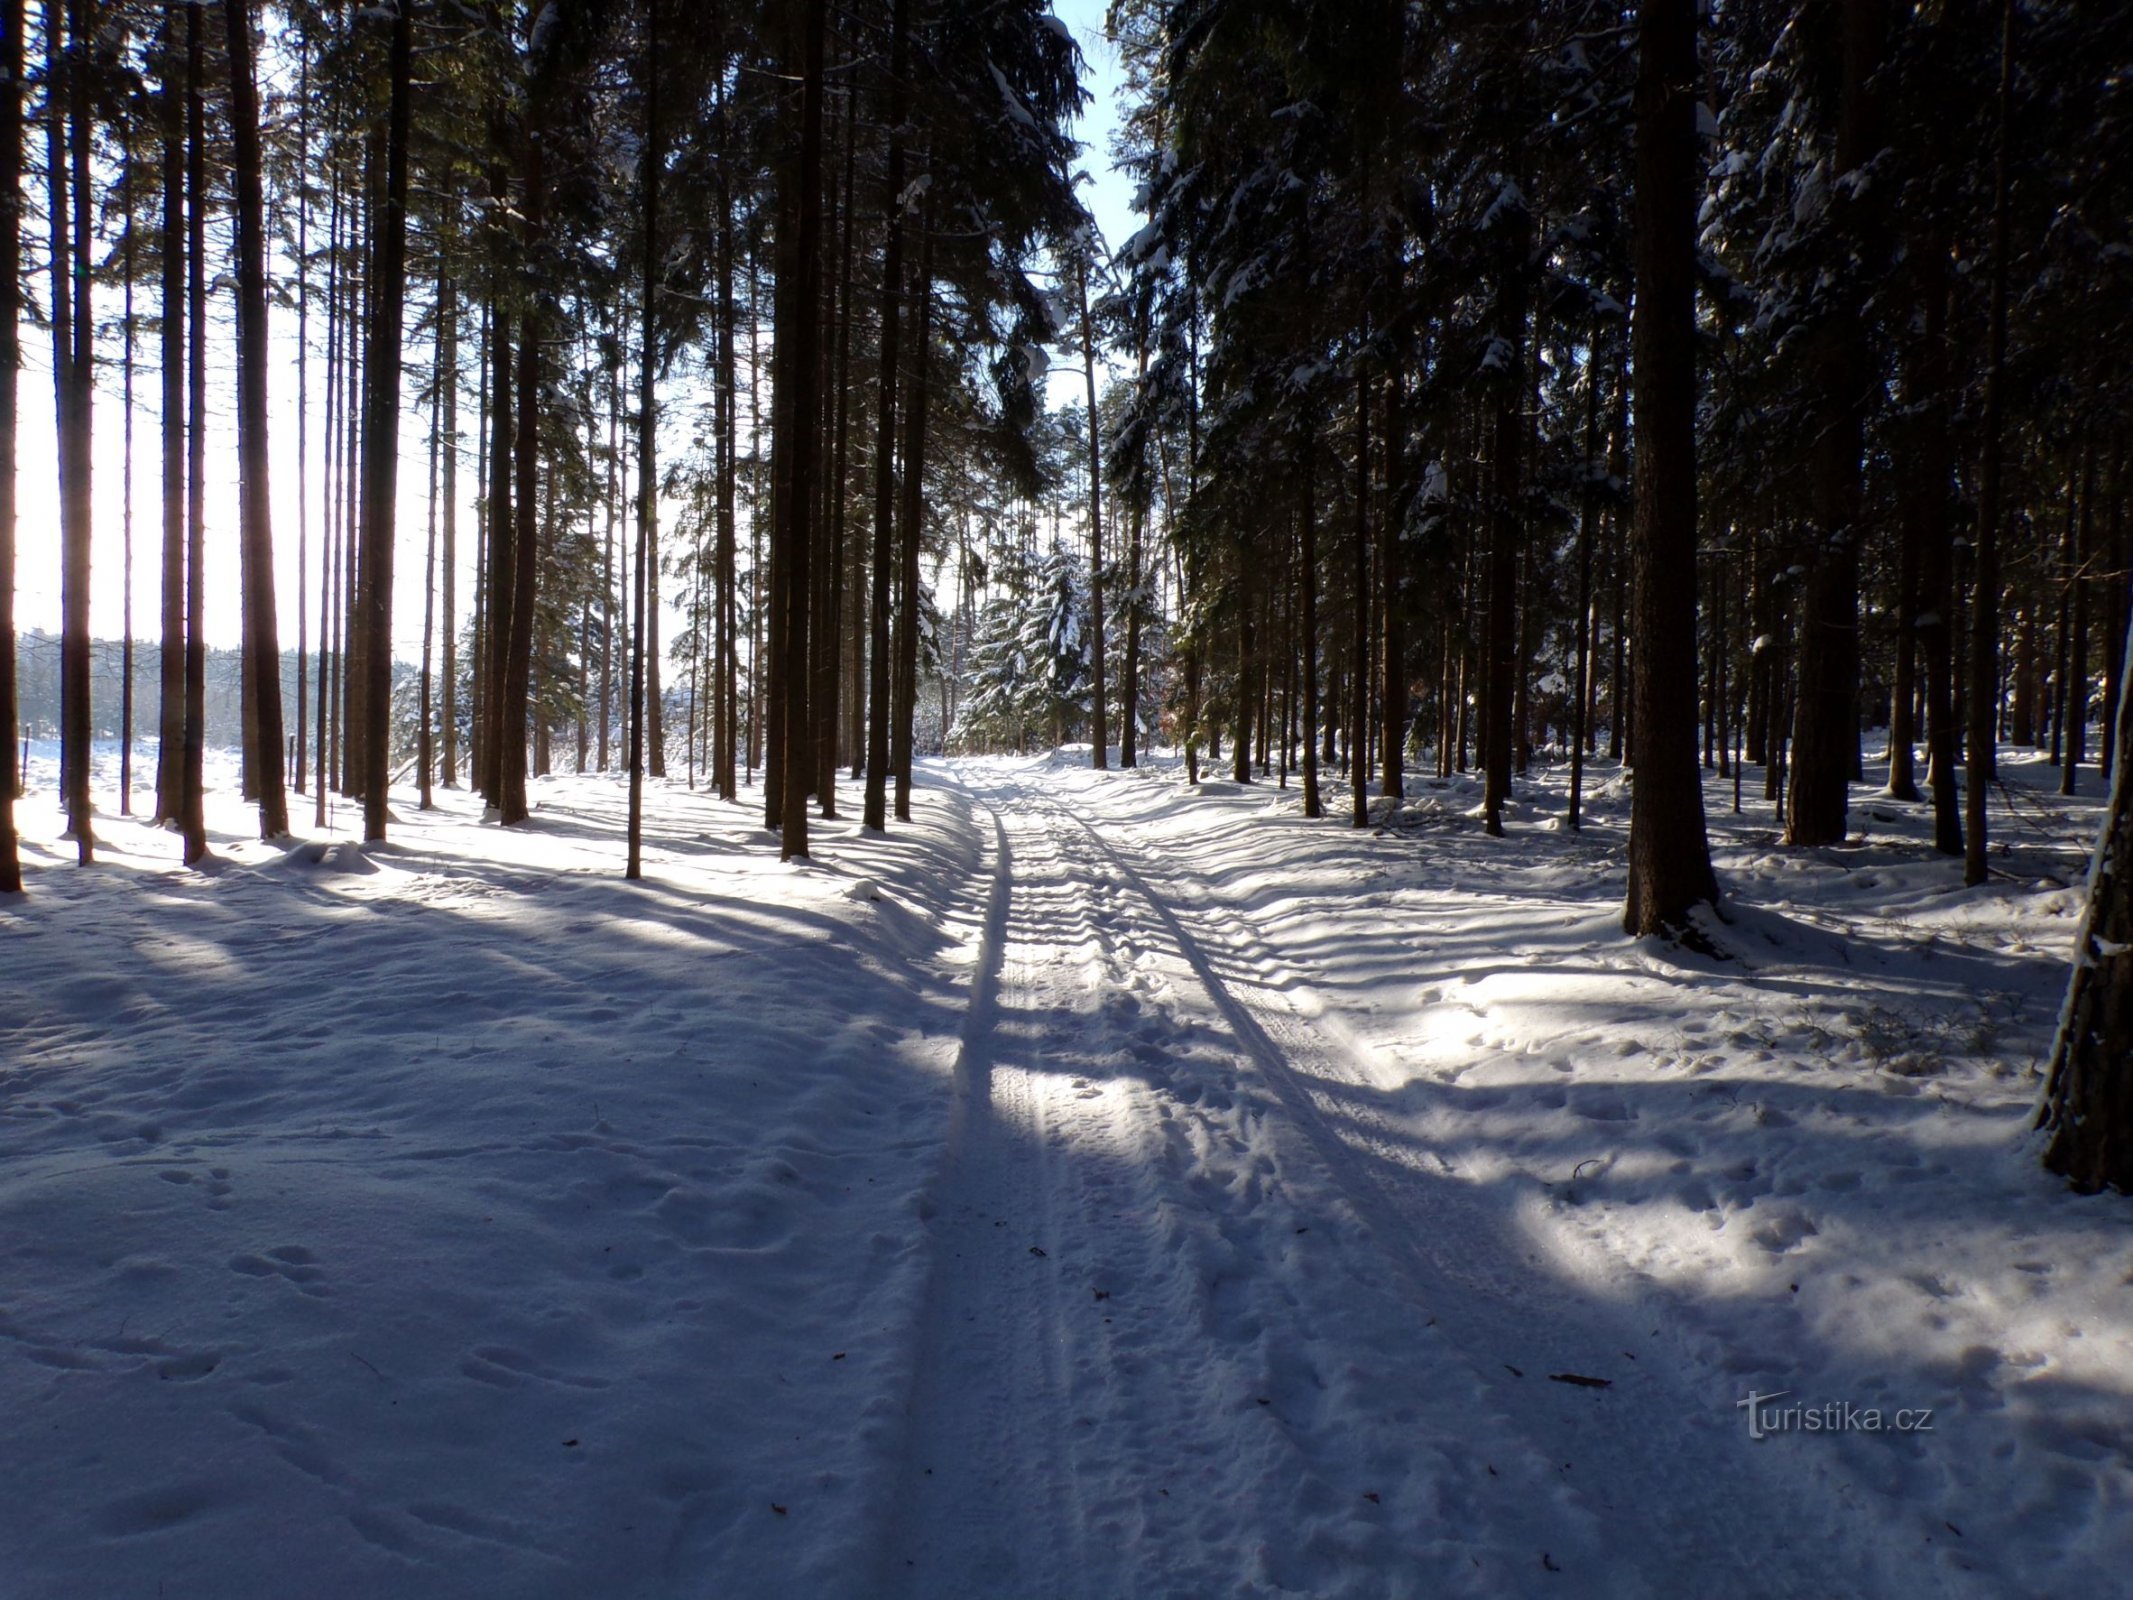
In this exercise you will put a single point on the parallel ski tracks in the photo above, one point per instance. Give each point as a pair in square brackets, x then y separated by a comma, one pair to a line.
[1136, 1075]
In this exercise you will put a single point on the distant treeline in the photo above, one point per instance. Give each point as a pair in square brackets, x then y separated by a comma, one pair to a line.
[37, 690]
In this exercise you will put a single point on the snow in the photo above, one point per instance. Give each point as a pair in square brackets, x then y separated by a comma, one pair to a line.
[1096, 1187]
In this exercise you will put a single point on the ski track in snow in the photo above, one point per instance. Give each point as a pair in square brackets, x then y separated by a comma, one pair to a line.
[1092, 1190]
[1287, 1380]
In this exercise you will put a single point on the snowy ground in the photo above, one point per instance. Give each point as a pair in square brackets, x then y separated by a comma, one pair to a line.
[1095, 1189]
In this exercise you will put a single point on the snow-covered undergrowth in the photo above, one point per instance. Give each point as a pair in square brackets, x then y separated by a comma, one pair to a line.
[1096, 1188]
[1801, 1169]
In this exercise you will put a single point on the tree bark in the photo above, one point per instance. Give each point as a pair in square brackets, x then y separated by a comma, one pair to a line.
[448, 379]
[910, 599]
[73, 327]
[1669, 854]
[654, 162]
[1359, 652]
[1307, 576]
[1099, 737]
[262, 645]
[1501, 667]
[11, 157]
[1826, 728]
[797, 435]
[381, 428]
[1983, 703]
[170, 713]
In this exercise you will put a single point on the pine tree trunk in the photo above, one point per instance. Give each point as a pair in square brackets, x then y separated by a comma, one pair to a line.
[1983, 702]
[830, 633]
[1100, 756]
[262, 645]
[2076, 696]
[11, 160]
[425, 746]
[1307, 575]
[876, 810]
[1243, 695]
[1392, 629]
[799, 369]
[911, 533]
[170, 713]
[303, 404]
[1588, 513]
[1669, 856]
[126, 211]
[192, 806]
[728, 416]
[1359, 636]
[652, 168]
[72, 320]
[381, 429]
[448, 379]
[328, 517]
[515, 700]
[1927, 505]
[1504, 541]
[2116, 590]
[1826, 730]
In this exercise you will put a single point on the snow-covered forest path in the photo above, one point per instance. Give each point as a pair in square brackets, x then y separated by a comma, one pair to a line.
[1096, 1188]
[1205, 1320]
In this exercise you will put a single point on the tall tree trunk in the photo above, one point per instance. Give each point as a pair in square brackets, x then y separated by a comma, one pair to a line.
[910, 598]
[355, 409]
[73, 328]
[2116, 588]
[727, 408]
[448, 380]
[799, 370]
[1243, 695]
[829, 637]
[1983, 705]
[1669, 855]
[170, 712]
[329, 517]
[1903, 689]
[11, 151]
[303, 398]
[1100, 756]
[515, 701]
[381, 429]
[1392, 624]
[1826, 727]
[262, 643]
[126, 210]
[425, 746]
[1588, 513]
[193, 793]
[1499, 688]
[2076, 697]
[653, 166]
[1359, 655]
[1307, 576]
[1927, 502]
[876, 811]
